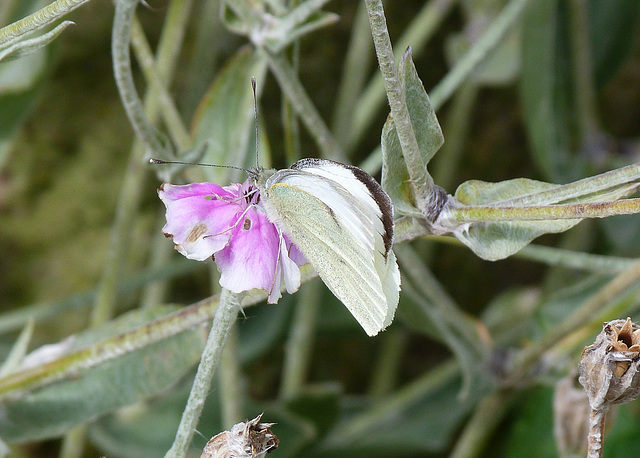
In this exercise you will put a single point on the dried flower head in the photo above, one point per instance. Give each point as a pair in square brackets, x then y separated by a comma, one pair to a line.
[250, 439]
[571, 415]
[610, 368]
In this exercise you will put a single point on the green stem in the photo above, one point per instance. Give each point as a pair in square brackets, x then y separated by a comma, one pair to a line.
[357, 62]
[575, 259]
[461, 215]
[457, 125]
[113, 347]
[584, 85]
[223, 321]
[39, 19]
[290, 125]
[487, 416]
[386, 370]
[130, 195]
[299, 346]
[161, 101]
[229, 379]
[417, 35]
[419, 176]
[478, 53]
[591, 185]
[456, 329]
[581, 316]
[295, 92]
[153, 140]
[360, 425]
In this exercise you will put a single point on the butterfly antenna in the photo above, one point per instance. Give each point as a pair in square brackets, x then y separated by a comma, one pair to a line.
[255, 113]
[161, 162]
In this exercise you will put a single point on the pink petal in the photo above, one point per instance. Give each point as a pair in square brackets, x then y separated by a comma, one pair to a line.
[199, 216]
[249, 261]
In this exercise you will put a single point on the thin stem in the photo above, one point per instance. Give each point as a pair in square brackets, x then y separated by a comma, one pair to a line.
[487, 416]
[357, 62]
[584, 87]
[161, 101]
[290, 124]
[39, 19]
[457, 126]
[231, 395]
[295, 92]
[299, 346]
[417, 35]
[590, 185]
[545, 212]
[121, 38]
[73, 444]
[222, 322]
[130, 195]
[386, 370]
[596, 433]
[568, 259]
[581, 316]
[478, 53]
[417, 168]
[456, 329]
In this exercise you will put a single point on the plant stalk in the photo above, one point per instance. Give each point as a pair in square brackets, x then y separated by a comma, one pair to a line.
[222, 322]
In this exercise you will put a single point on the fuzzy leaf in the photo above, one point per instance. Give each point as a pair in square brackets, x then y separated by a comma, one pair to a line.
[44, 406]
[225, 118]
[498, 240]
[395, 176]
[26, 47]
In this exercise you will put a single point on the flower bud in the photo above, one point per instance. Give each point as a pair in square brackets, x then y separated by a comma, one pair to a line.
[250, 439]
[609, 369]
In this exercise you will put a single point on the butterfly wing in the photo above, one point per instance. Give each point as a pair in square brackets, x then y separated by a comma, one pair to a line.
[340, 231]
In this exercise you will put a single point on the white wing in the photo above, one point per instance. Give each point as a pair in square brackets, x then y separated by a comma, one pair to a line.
[340, 230]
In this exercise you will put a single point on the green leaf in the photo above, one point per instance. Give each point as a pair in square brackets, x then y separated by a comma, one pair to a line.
[418, 419]
[498, 240]
[44, 407]
[26, 47]
[545, 90]
[275, 30]
[286, 30]
[613, 26]
[225, 119]
[395, 176]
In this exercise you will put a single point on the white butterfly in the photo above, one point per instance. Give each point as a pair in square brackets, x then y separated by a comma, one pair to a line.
[342, 221]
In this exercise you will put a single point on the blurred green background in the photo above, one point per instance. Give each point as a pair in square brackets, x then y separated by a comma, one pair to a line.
[65, 143]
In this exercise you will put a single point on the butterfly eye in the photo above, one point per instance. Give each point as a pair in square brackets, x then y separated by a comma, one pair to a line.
[246, 225]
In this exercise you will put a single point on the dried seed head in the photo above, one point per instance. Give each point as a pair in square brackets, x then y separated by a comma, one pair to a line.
[250, 439]
[610, 368]
[571, 416]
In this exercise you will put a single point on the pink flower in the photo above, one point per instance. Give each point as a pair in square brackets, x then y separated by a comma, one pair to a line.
[204, 220]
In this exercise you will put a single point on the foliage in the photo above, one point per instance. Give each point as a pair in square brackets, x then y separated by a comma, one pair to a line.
[537, 103]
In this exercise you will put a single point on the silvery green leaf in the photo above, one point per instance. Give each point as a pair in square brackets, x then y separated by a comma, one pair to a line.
[18, 350]
[546, 92]
[498, 240]
[283, 31]
[96, 372]
[26, 47]
[395, 176]
[225, 119]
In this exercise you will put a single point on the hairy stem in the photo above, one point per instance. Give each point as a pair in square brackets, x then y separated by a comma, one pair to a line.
[222, 322]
